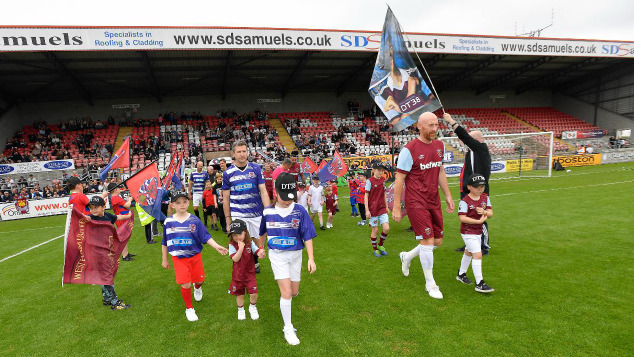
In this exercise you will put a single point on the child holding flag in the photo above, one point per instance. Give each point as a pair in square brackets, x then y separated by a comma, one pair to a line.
[97, 208]
[183, 238]
[120, 207]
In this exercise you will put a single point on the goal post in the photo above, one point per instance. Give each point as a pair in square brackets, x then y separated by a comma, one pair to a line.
[512, 155]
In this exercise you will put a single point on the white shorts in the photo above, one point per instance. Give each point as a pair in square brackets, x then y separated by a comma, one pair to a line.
[376, 220]
[253, 226]
[472, 242]
[315, 209]
[286, 264]
[197, 199]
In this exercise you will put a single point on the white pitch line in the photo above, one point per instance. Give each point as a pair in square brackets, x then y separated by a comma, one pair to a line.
[33, 247]
[563, 188]
[30, 229]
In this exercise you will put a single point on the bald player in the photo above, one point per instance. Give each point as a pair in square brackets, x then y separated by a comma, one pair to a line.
[477, 160]
[420, 168]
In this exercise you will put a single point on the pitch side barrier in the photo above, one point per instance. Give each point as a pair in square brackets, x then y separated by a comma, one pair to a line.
[29, 39]
[37, 208]
[617, 156]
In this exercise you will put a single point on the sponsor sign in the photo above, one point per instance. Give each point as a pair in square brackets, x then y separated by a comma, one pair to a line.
[590, 134]
[498, 167]
[453, 170]
[365, 161]
[126, 106]
[29, 39]
[36, 166]
[37, 208]
[577, 160]
[567, 135]
[514, 165]
[448, 156]
[611, 157]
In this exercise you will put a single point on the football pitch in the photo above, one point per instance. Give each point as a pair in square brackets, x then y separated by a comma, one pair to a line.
[560, 263]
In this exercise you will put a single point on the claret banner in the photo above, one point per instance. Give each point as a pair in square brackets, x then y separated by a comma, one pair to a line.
[29, 39]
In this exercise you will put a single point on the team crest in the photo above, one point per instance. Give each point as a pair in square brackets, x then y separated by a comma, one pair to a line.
[22, 206]
[439, 152]
[248, 250]
[295, 223]
[148, 192]
[483, 205]
[192, 228]
[428, 231]
[251, 174]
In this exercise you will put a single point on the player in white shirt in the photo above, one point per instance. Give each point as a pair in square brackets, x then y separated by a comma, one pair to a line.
[316, 201]
[302, 194]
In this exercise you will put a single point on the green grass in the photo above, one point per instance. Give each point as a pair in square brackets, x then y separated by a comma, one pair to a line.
[561, 265]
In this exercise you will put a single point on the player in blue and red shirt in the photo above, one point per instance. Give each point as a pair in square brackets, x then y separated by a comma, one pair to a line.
[359, 196]
[353, 185]
[287, 228]
[183, 238]
[420, 168]
[473, 210]
[120, 207]
[242, 251]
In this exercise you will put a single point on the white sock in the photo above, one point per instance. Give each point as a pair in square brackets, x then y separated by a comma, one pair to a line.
[285, 308]
[464, 265]
[477, 270]
[427, 262]
[241, 308]
[412, 253]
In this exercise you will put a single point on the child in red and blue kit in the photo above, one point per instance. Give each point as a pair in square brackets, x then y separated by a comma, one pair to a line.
[183, 238]
[241, 250]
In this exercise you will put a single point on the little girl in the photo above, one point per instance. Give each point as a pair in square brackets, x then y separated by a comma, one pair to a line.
[241, 250]
[331, 205]
[302, 193]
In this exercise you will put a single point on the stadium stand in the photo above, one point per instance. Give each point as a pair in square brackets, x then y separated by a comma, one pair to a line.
[549, 119]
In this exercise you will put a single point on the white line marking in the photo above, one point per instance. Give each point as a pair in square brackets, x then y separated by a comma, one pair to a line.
[564, 188]
[33, 247]
[30, 229]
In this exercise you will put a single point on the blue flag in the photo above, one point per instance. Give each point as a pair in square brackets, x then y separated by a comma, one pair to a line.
[326, 173]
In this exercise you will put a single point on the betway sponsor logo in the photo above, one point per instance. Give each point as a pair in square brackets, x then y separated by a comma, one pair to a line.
[430, 165]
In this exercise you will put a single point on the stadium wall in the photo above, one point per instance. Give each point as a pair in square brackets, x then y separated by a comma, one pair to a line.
[585, 111]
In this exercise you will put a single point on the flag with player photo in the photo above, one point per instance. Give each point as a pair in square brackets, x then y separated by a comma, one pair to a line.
[92, 250]
[308, 166]
[389, 196]
[145, 188]
[397, 86]
[121, 159]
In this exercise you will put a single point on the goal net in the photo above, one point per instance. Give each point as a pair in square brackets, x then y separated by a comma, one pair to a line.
[512, 155]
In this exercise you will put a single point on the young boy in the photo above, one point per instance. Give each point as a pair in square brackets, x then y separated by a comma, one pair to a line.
[335, 190]
[77, 196]
[120, 207]
[376, 209]
[360, 196]
[353, 185]
[473, 210]
[302, 194]
[183, 238]
[288, 228]
[97, 208]
[316, 200]
[331, 205]
[209, 205]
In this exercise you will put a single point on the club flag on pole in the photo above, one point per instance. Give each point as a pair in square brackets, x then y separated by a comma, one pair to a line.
[171, 171]
[337, 166]
[322, 164]
[120, 159]
[145, 188]
[92, 250]
[397, 86]
[179, 174]
[308, 166]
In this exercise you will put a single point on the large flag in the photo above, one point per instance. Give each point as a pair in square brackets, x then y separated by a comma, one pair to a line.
[145, 188]
[322, 164]
[389, 196]
[92, 249]
[120, 159]
[179, 174]
[397, 86]
[308, 166]
[338, 167]
[325, 175]
[171, 171]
